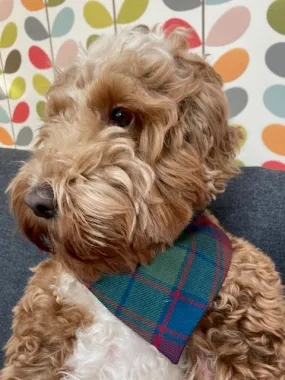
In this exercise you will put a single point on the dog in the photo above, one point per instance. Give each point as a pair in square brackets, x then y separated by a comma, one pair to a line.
[135, 143]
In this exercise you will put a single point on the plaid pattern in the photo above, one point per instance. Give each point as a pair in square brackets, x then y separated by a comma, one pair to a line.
[164, 302]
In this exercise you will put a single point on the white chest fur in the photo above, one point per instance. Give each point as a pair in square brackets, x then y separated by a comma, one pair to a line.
[108, 349]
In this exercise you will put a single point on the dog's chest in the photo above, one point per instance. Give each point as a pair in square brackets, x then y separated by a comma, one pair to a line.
[108, 349]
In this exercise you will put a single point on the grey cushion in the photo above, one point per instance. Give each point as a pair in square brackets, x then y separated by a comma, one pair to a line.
[253, 207]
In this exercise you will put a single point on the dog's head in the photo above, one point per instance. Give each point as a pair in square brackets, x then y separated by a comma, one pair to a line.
[135, 139]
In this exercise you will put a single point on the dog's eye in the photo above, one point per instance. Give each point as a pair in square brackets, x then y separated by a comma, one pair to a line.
[122, 117]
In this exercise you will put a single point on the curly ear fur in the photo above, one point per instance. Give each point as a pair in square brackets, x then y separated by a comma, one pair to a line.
[204, 115]
[189, 144]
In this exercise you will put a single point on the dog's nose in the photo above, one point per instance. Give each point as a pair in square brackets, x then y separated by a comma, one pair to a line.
[41, 201]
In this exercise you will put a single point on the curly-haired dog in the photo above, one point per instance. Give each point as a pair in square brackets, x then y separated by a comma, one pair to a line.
[135, 141]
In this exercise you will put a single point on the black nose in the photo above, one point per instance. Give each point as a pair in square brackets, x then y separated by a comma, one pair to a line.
[41, 201]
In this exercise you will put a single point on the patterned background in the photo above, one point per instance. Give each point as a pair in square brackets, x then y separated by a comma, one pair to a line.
[243, 39]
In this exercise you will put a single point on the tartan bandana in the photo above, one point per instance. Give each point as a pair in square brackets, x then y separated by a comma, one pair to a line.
[164, 302]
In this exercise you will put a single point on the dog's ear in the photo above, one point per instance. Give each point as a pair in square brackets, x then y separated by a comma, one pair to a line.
[204, 113]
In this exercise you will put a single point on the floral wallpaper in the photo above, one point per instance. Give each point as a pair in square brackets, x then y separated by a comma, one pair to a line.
[244, 40]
